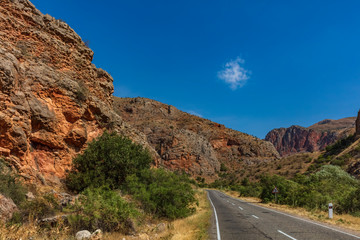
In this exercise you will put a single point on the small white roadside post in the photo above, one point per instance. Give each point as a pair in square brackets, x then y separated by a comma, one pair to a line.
[330, 210]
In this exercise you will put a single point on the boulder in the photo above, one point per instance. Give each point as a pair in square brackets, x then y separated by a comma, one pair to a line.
[82, 235]
[161, 227]
[30, 196]
[7, 208]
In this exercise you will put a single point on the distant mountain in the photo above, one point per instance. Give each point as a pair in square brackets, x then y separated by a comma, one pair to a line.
[190, 143]
[297, 139]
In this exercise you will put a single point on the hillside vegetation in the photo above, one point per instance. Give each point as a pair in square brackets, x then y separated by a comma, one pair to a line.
[117, 191]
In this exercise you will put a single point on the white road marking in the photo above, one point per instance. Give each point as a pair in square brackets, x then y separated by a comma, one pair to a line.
[216, 219]
[304, 220]
[233, 204]
[241, 208]
[255, 216]
[286, 235]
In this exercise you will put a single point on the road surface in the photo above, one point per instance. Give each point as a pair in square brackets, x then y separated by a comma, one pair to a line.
[237, 219]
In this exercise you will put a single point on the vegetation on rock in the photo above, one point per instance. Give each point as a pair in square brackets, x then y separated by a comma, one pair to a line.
[107, 160]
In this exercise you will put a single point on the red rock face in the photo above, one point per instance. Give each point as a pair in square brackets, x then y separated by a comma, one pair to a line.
[297, 139]
[53, 100]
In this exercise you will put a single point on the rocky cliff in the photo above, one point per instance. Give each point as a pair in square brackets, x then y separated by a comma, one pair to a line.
[53, 100]
[187, 142]
[314, 138]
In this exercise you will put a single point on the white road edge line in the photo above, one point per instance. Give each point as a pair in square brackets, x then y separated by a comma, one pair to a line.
[216, 219]
[286, 235]
[241, 208]
[304, 220]
[255, 216]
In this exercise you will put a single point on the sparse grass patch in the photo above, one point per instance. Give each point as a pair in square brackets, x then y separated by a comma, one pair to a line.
[196, 226]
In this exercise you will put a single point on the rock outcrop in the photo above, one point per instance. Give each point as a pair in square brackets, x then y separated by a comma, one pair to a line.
[297, 139]
[187, 142]
[53, 100]
[7, 208]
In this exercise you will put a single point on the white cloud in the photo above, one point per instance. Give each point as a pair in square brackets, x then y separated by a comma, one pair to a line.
[234, 74]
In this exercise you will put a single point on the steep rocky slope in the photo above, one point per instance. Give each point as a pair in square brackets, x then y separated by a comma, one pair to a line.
[314, 138]
[188, 142]
[53, 100]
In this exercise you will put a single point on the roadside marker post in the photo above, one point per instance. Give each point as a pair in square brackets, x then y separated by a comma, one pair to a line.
[275, 191]
[330, 210]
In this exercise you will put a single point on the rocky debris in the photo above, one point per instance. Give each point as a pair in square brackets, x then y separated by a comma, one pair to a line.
[7, 208]
[53, 221]
[297, 139]
[29, 196]
[358, 126]
[53, 100]
[190, 143]
[83, 235]
[97, 235]
[65, 199]
[161, 227]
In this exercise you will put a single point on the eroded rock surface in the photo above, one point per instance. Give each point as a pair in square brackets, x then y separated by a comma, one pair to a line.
[297, 139]
[53, 100]
[7, 208]
[187, 142]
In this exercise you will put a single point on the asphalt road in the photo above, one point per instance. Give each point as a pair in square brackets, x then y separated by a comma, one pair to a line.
[237, 219]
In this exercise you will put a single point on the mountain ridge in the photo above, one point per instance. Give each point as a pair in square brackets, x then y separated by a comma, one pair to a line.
[316, 137]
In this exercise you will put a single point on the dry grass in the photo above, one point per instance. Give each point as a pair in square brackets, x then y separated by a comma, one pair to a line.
[345, 221]
[31, 230]
[193, 227]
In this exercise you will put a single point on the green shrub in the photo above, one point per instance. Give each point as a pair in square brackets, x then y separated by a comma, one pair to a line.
[10, 185]
[101, 208]
[250, 190]
[108, 160]
[162, 193]
[339, 146]
[40, 207]
[223, 168]
[288, 190]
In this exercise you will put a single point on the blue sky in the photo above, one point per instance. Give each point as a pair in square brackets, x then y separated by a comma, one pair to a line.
[251, 65]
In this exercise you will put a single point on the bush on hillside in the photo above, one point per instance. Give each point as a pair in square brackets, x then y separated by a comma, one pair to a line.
[162, 193]
[339, 145]
[10, 185]
[101, 208]
[107, 160]
[40, 207]
[330, 184]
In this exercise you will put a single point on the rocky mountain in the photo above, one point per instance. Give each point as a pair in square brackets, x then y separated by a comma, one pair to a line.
[53, 100]
[187, 142]
[297, 139]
